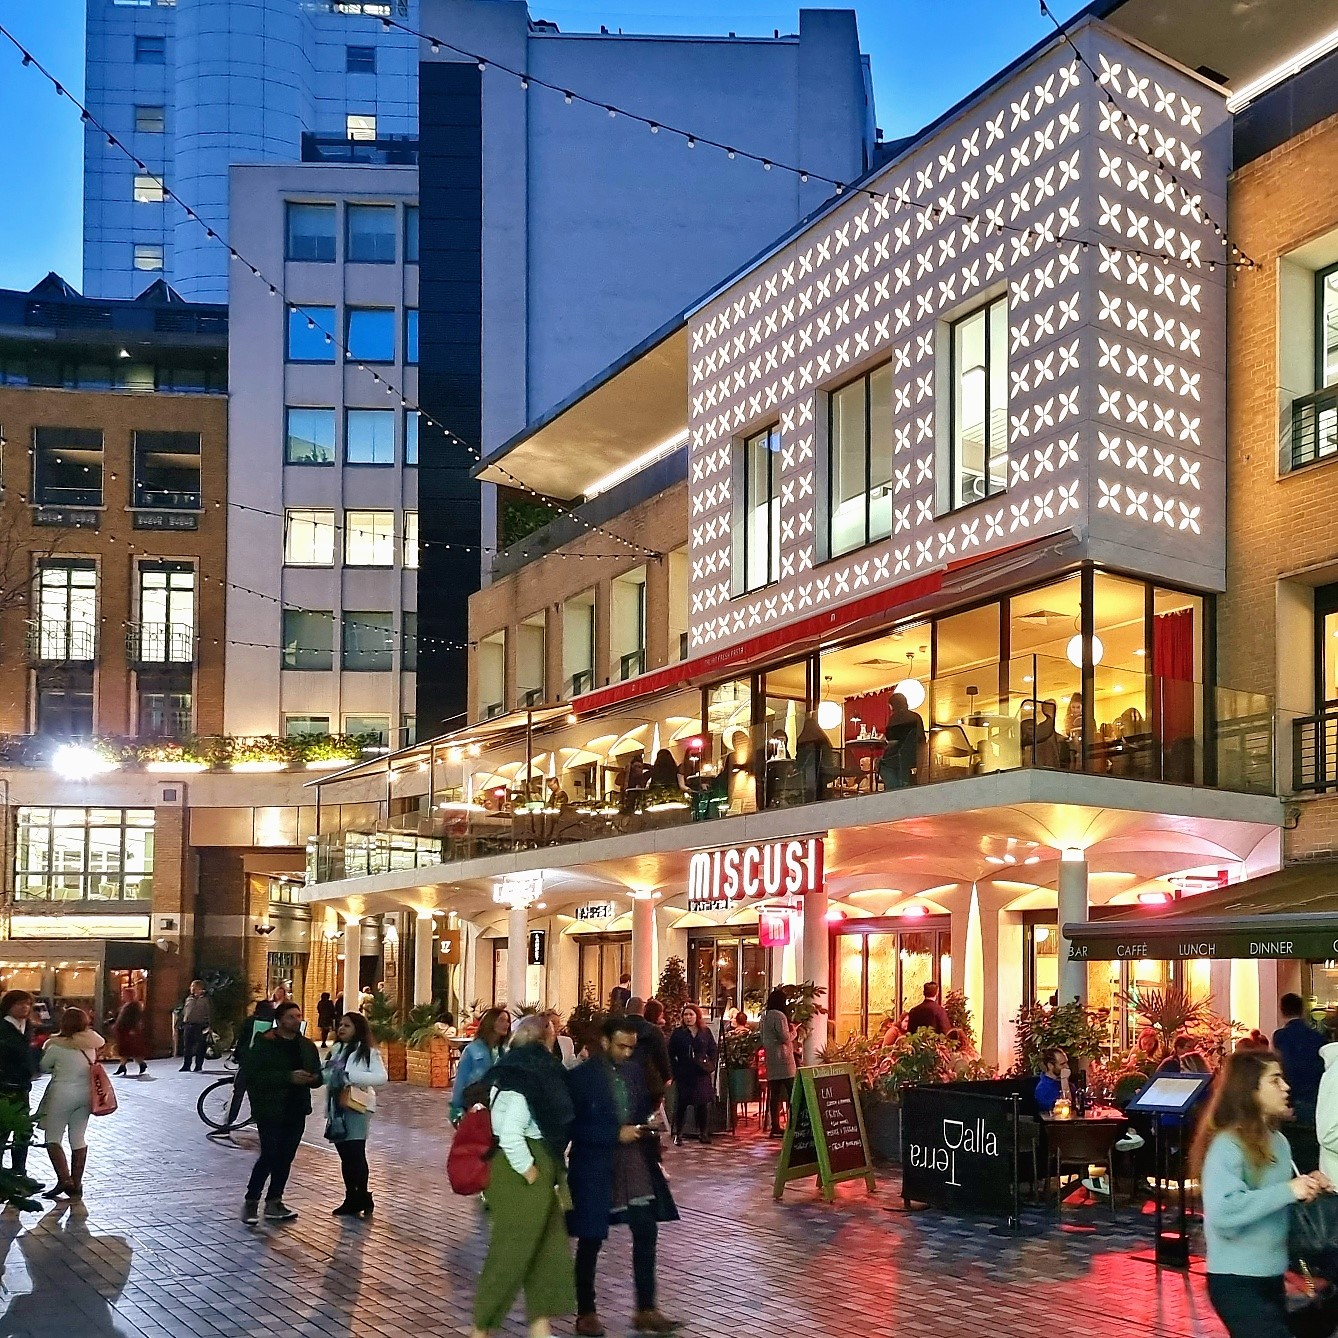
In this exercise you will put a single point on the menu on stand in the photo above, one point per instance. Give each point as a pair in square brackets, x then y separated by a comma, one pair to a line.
[826, 1135]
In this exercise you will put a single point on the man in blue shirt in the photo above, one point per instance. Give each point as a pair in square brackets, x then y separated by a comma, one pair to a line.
[1054, 1080]
[1298, 1047]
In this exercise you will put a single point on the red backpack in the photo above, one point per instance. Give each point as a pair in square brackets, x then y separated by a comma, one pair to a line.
[467, 1163]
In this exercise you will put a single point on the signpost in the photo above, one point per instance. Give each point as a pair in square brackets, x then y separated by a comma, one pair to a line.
[825, 1136]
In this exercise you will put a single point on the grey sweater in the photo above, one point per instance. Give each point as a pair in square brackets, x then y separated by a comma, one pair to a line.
[1246, 1213]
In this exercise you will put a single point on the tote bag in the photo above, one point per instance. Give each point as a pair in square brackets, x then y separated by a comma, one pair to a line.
[101, 1093]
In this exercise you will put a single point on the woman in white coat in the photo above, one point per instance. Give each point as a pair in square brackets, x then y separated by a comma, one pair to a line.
[352, 1073]
[1326, 1112]
[64, 1109]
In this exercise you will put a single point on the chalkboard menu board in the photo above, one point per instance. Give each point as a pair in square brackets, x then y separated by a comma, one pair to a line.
[826, 1135]
[959, 1149]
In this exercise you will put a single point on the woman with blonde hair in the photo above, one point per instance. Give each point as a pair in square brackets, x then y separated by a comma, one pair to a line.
[1249, 1185]
[527, 1194]
[65, 1107]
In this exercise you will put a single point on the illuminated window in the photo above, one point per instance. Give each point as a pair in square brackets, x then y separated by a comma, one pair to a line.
[859, 474]
[84, 854]
[369, 538]
[149, 256]
[309, 538]
[757, 513]
[359, 126]
[978, 435]
[149, 190]
[411, 540]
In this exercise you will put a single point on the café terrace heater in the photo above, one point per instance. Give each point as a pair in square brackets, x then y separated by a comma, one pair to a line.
[1169, 1098]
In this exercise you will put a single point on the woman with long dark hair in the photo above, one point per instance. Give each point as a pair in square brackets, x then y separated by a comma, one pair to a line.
[692, 1053]
[778, 1045]
[352, 1073]
[1245, 1167]
[479, 1056]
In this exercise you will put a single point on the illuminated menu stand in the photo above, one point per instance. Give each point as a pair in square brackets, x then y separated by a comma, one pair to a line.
[825, 1135]
[1169, 1098]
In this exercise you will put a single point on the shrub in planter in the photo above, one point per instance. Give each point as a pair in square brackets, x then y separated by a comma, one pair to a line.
[739, 1052]
[429, 1051]
[383, 1021]
[322, 749]
[1081, 1033]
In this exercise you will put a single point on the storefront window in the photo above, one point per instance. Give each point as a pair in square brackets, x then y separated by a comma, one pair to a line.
[1041, 980]
[729, 729]
[84, 854]
[728, 971]
[602, 960]
[881, 970]
[1045, 673]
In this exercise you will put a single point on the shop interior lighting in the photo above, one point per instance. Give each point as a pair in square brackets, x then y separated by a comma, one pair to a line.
[910, 687]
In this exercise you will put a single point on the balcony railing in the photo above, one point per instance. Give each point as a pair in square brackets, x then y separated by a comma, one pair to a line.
[160, 643]
[1023, 714]
[1315, 427]
[1315, 752]
[53, 641]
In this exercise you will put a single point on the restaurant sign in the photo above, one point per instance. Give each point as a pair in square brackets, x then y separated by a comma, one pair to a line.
[596, 910]
[1189, 944]
[959, 1147]
[762, 869]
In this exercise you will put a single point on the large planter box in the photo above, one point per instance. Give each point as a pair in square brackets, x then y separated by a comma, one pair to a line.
[393, 1056]
[430, 1067]
[882, 1123]
[743, 1085]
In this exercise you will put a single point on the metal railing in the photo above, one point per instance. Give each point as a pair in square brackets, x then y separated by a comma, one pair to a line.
[1315, 752]
[1314, 427]
[160, 643]
[55, 641]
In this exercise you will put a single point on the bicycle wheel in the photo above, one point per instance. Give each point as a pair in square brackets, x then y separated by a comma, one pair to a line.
[215, 1102]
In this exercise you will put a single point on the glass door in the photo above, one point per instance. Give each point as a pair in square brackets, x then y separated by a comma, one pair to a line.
[602, 959]
[727, 972]
[879, 971]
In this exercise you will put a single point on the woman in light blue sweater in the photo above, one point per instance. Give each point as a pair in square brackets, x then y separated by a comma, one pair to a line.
[1248, 1190]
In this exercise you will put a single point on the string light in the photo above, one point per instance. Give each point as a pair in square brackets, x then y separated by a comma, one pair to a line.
[330, 338]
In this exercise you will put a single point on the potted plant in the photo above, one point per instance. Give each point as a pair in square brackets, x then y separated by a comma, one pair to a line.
[429, 1051]
[260, 752]
[383, 1021]
[739, 1051]
[177, 755]
[325, 752]
[869, 1061]
[1080, 1032]
[673, 992]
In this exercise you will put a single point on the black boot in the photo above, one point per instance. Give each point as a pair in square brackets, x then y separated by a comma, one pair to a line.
[365, 1204]
[349, 1207]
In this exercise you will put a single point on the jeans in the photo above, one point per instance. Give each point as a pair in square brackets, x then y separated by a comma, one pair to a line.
[1250, 1307]
[194, 1039]
[353, 1165]
[645, 1232]
[279, 1140]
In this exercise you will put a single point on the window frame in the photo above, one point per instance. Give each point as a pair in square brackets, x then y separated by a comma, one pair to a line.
[409, 641]
[865, 379]
[150, 49]
[363, 53]
[356, 530]
[141, 129]
[288, 458]
[187, 501]
[409, 540]
[82, 498]
[411, 336]
[180, 587]
[984, 309]
[411, 459]
[364, 209]
[148, 188]
[361, 138]
[382, 416]
[65, 637]
[85, 875]
[741, 558]
[412, 234]
[305, 515]
[350, 313]
[301, 314]
[1321, 278]
[354, 621]
[290, 656]
[290, 252]
[135, 257]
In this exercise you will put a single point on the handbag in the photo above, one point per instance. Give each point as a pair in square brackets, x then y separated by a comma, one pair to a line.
[1312, 1237]
[336, 1128]
[360, 1100]
[101, 1093]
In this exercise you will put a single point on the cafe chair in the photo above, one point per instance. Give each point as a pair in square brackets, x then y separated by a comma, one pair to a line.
[1030, 1153]
[1079, 1146]
[951, 754]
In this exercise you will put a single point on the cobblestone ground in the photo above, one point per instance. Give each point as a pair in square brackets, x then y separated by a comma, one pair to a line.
[158, 1248]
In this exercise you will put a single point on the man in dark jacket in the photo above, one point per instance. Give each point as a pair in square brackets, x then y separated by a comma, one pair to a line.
[1298, 1046]
[615, 1176]
[928, 1013]
[17, 1062]
[280, 1068]
[652, 1053]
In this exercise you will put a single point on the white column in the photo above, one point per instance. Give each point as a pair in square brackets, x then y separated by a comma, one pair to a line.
[643, 945]
[517, 954]
[814, 968]
[422, 958]
[1072, 910]
[352, 960]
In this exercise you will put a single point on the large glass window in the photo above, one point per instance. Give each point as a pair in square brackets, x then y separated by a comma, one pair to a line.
[311, 232]
[369, 640]
[65, 702]
[67, 466]
[360, 126]
[167, 471]
[305, 726]
[411, 234]
[369, 437]
[148, 257]
[371, 234]
[308, 639]
[148, 189]
[67, 610]
[627, 624]
[150, 120]
[164, 714]
[373, 727]
[1326, 332]
[369, 538]
[310, 437]
[309, 334]
[881, 972]
[411, 335]
[979, 426]
[84, 854]
[859, 476]
[578, 644]
[492, 675]
[757, 515]
[166, 613]
[411, 540]
[308, 538]
[409, 643]
[411, 436]
[531, 660]
[371, 334]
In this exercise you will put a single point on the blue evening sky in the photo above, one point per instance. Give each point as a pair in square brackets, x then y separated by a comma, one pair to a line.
[926, 54]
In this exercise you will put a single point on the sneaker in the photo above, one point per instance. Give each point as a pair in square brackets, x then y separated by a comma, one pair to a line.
[251, 1212]
[276, 1210]
[1131, 1141]
[588, 1326]
[1099, 1184]
[651, 1321]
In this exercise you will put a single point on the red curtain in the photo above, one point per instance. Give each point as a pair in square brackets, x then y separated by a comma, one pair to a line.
[1174, 688]
[872, 709]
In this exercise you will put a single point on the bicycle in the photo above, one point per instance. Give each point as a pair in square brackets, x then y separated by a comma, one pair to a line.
[215, 1049]
[216, 1101]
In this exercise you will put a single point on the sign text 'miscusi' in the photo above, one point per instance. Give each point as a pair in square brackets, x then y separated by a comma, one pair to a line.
[785, 868]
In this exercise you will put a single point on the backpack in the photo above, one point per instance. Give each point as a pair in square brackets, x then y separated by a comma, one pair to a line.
[467, 1163]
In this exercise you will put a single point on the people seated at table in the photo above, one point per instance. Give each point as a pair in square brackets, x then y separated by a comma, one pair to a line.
[816, 759]
[929, 1013]
[894, 1030]
[664, 782]
[905, 732]
[1053, 1083]
[1042, 743]
[556, 797]
[1180, 1047]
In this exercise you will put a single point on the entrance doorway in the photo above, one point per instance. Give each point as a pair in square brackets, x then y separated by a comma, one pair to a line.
[727, 971]
[602, 960]
[880, 969]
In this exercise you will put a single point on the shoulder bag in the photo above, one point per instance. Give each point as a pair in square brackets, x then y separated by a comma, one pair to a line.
[101, 1093]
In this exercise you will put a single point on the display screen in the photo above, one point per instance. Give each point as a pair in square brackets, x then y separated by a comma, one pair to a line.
[1171, 1093]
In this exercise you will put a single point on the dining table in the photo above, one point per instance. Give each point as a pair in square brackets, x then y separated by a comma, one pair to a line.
[1081, 1140]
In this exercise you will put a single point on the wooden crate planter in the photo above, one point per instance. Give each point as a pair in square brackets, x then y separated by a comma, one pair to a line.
[394, 1057]
[430, 1067]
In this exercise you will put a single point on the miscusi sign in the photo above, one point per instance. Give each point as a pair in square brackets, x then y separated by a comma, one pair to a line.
[785, 868]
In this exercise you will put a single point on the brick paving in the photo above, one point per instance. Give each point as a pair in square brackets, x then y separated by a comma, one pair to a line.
[158, 1248]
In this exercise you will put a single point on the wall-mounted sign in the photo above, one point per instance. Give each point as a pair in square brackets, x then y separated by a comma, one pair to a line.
[166, 520]
[787, 868]
[538, 947]
[774, 928]
[596, 910]
[519, 889]
[448, 946]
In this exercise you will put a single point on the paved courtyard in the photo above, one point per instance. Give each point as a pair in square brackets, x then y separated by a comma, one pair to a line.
[158, 1248]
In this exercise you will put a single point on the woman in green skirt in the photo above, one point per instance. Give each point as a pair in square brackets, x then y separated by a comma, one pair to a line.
[527, 1187]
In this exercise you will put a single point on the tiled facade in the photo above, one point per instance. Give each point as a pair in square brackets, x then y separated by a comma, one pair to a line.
[1115, 401]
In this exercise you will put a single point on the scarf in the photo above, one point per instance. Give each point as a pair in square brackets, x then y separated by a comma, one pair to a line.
[540, 1078]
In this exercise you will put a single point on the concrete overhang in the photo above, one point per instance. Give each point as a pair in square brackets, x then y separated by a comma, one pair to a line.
[904, 843]
[630, 412]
